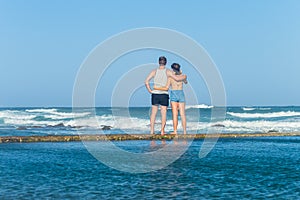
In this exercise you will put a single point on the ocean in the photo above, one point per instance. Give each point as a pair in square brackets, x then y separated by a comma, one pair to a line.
[236, 168]
[252, 168]
[62, 121]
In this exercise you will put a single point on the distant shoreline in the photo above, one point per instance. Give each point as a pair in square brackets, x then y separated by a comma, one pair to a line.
[124, 137]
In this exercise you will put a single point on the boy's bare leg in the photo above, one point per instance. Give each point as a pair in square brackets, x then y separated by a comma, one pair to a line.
[152, 118]
[163, 111]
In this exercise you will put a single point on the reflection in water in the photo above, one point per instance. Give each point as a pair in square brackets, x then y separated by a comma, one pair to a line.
[156, 144]
[253, 168]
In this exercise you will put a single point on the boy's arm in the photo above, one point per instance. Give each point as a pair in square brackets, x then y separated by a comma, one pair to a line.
[149, 77]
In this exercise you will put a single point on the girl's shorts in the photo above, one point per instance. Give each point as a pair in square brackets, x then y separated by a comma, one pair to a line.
[177, 96]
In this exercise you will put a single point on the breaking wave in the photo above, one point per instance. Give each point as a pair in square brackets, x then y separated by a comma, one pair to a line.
[265, 115]
[200, 106]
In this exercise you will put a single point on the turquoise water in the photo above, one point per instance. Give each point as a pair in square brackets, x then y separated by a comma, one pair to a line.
[253, 168]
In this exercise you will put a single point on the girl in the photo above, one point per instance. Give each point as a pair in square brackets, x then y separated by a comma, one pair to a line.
[176, 97]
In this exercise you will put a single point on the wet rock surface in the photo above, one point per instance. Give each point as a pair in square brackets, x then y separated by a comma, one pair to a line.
[122, 137]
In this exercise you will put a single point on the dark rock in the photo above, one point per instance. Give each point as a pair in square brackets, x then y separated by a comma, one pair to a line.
[36, 127]
[22, 128]
[69, 126]
[104, 127]
[273, 131]
[58, 125]
[217, 125]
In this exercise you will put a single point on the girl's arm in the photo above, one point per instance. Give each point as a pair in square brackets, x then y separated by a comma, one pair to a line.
[166, 87]
[185, 81]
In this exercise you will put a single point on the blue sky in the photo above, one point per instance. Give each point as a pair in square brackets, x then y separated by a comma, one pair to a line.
[255, 45]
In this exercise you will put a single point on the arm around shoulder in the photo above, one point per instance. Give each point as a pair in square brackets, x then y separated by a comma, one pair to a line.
[176, 77]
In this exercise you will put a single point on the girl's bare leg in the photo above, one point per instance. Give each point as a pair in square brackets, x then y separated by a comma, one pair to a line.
[182, 115]
[175, 116]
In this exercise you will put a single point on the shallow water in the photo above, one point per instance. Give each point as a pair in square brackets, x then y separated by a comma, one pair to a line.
[235, 168]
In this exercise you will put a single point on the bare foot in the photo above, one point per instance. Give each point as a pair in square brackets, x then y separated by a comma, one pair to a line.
[174, 133]
[162, 133]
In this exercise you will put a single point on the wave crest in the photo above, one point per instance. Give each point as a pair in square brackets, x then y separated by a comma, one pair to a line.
[265, 115]
[200, 106]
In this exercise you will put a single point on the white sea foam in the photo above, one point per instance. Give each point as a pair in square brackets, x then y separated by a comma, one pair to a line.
[265, 108]
[12, 114]
[64, 115]
[265, 115]
[41, 110]
[109, 120]
[30, 122]
[201, 106]
[248, 109]
[141, 125]
[19, 117]
[54, 114]
[251, 108]
[242, 126]
[55, 117]
[130, 124]
[260, 126]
